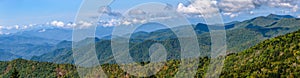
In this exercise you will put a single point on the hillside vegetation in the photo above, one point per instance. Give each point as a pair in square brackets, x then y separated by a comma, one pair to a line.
[240, 36]
[276, 57]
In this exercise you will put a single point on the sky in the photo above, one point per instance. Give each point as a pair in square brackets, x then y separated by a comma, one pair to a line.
[17, 13]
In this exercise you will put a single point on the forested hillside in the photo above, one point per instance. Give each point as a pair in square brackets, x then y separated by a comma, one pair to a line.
[240, 36]
[276, 57]
[31, 69]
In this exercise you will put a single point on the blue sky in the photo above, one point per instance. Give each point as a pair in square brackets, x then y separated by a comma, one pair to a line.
[20, 12]
[39, 11]
[36, 11]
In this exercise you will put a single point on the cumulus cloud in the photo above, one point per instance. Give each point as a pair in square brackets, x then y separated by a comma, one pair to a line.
[232, 8]
[111, 22]
[25, 27]
[9, 27]
[277, 3]
[117, 19]
[251, 12]
[58, 23]
[189, 9]
[126, 23]
[231, 15]
[70, 25]
[236, 5]
[138, 15]
[250, 4]
[17, 26]
[84, 24]
[1, 27]
[107, 10]
[31, 25]
[206, 7]
[142, 15]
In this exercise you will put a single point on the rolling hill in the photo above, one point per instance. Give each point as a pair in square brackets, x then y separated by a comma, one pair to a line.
[240, 36]
[25, 47]
[275, 57]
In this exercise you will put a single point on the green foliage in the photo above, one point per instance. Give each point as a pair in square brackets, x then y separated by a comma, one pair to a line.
[276, 57]
[240, 36]
[29, 69]
[15, 74]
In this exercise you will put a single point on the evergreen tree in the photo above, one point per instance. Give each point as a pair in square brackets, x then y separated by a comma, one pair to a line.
[15, 74]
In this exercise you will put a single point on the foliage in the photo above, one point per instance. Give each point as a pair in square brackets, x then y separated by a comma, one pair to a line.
[275, 57]
[30, 69]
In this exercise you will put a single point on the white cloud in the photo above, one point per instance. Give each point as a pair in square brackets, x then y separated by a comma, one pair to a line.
[107, 10]
[133, 16]
[189, 10]
[3, 33]
[119, 22]
[31, 25]
[83, 24]
[1, 27]
[70, 25]
[295, 8]
[234, 7]
[251, 12]
[246, 5]
[58, 23]
[231, 15]
[9, 27]
[136, 12]
[111, 22]
[25, 27]
[126, 23]
[207, 7]
[17, 26]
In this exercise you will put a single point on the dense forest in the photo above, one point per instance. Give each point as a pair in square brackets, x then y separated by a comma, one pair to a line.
[31, 69]
[275, 57]
[240, 36]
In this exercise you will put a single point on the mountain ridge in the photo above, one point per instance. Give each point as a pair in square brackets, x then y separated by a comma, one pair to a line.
[275, 57]
[236, 41]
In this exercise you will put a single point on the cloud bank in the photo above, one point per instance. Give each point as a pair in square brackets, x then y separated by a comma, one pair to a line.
[232, 8]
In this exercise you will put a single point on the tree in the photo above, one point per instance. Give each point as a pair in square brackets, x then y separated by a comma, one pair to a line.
[15, 74]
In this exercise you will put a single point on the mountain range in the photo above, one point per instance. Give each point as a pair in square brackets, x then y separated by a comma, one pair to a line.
[274, 57]
[240, 36]
[37, 44]
[40, 40]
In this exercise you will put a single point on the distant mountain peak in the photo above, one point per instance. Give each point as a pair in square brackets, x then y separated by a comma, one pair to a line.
[274, 16]
[91, 38]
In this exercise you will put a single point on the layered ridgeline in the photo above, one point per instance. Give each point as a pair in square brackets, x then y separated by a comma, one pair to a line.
[37, 40]
[13, 46]
[240, 36]
[275, 57]
[43, 38]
